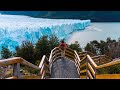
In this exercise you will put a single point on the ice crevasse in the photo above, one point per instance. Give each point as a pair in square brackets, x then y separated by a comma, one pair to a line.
[17, 28]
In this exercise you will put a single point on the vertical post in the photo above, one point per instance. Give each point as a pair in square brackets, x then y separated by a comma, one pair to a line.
[87, 68]
[16, 70]
[95, 74]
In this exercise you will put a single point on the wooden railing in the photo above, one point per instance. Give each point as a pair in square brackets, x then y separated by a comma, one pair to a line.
[69, 53]
[87, 66]
[16, 61]
[88, 69]
[82, 54]
[44, 67]
[101, 59]
[77, 62]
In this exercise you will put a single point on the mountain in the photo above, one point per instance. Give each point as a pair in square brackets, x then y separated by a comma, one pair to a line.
[94, 16]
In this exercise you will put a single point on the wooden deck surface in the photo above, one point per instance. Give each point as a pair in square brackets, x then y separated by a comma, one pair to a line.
[64, 68]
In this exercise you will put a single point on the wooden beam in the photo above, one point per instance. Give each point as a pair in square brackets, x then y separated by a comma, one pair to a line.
[108, 76]
[91, 69]
[83, 65]
[70, 50]
[42, 77]
[42, 61]
[66, 51]
[51, 54]
[16, 70]
[91, 61]
[83, 71]
[69, 55]
[84, 77]
[84, 58]
[9, 61]
[56, 51]
[11, 77]
[24, 62]
[109, 64]
[77, 56]
[42, 68]
[89, 74]
[56, 55]
[29, 77]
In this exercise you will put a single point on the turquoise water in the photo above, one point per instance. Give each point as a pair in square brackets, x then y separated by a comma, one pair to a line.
[96, 31]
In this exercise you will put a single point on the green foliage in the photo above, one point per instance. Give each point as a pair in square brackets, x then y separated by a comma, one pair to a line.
[53, 41]
[42, 47]
[102, 71]
[26, 51]
[109, 47]
[75, 46]
[115, 69]
[90, 48]
[5, 53]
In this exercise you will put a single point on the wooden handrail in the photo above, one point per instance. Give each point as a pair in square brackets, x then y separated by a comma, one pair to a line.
[14, 60]
[5, 62]
[18, 60]
[77, 56]
[94, 57]
[52, 53]
[11, 78]
[91, 61]
[83, 71]
[87, 52]
[109, 64]
[29, 64]
[42, 61]
[83, 59]
[91, 69]
[95, 67]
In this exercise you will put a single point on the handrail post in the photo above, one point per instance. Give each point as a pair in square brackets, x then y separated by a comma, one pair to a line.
[87, 68]
[77, 61]
[95, 73]
[16, 70]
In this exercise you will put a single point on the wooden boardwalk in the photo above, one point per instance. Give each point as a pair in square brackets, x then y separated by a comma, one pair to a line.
[64, 68]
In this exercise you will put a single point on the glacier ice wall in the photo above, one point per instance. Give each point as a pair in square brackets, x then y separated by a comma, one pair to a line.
[16, 28]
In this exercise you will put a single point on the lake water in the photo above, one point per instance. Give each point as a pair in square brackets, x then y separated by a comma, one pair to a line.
[96, 31]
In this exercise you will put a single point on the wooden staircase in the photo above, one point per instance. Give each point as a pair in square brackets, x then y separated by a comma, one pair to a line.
[86, 63]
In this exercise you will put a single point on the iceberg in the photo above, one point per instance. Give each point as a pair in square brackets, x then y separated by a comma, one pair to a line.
[16, 28]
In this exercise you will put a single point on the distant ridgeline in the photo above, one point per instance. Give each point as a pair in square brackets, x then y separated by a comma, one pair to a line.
[94, 16]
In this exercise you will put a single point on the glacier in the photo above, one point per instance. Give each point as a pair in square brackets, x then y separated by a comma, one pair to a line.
[16, 28]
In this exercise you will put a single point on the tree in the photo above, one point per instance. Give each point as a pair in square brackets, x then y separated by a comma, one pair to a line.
[26, 51]
[90, 48]
[75, 46]
[103, 47]
[5, 53]
[53, 41]
[42, 47]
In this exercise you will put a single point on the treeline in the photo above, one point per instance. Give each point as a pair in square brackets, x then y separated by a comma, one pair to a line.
[109, 47]
[45, 44]
[34, 53]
